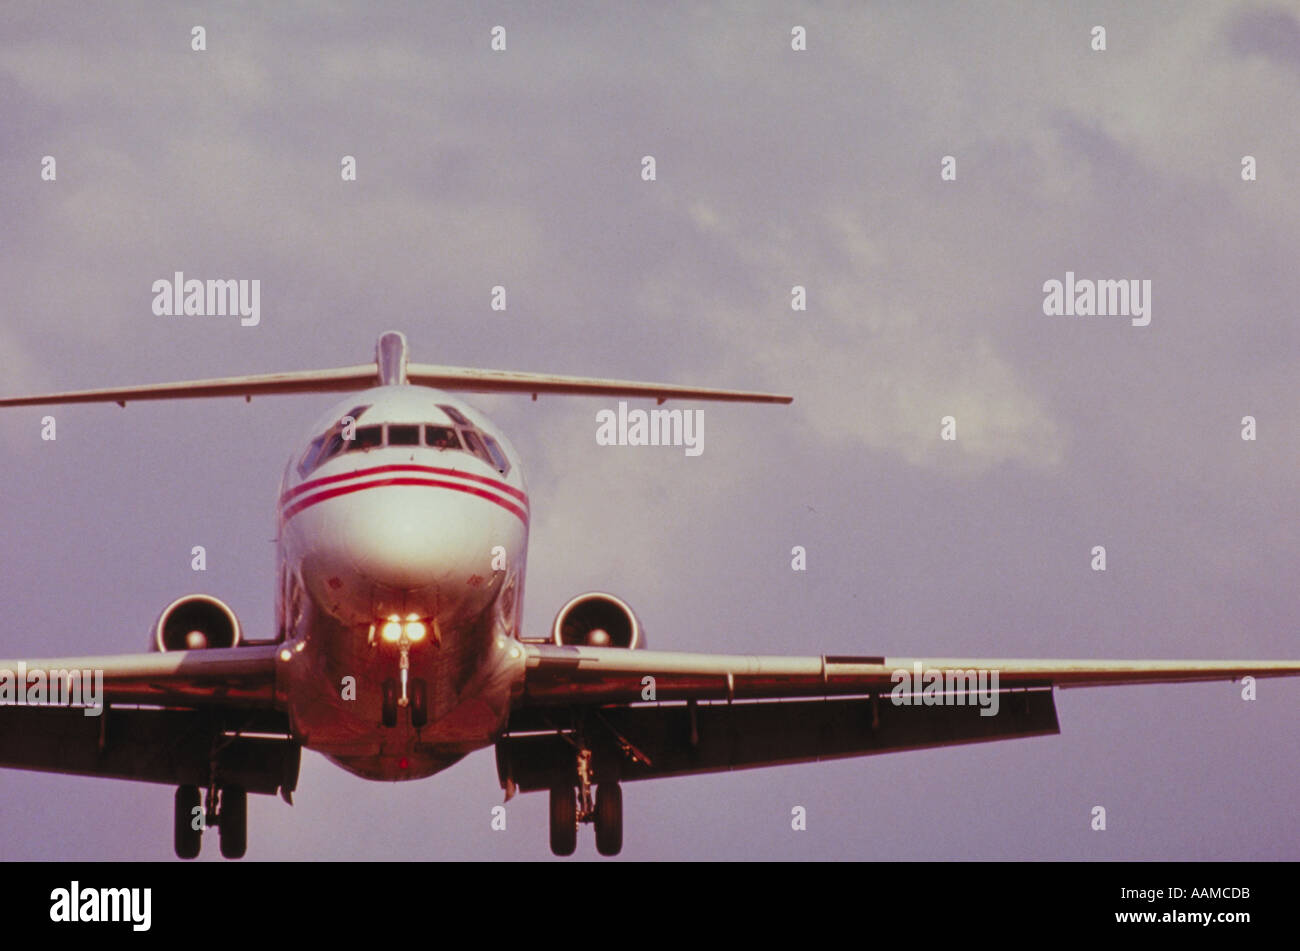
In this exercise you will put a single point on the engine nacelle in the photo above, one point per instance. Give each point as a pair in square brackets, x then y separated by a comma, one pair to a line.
[194, 622]
[597, 619]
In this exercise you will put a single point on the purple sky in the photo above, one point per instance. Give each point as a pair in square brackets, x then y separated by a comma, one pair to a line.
[775, 168]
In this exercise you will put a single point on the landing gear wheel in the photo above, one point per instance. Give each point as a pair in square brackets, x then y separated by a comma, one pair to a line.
[187, 839]
[232, 822]
[564, 820]
[390, 702]
[609, 819]
[419, 696]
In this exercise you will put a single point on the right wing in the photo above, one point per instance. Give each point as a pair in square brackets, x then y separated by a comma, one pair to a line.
[161, 717]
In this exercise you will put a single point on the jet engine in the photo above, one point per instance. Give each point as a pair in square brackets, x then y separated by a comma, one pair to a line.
[194, 622]
[597, 619]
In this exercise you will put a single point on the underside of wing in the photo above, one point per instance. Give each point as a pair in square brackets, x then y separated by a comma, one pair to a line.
[653, 741]
[179, 718]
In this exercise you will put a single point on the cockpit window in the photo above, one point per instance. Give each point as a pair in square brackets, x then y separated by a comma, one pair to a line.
[473, 444]
[367, 437]
[465, 437]
[441, 437]
[456, 415]
[498, 457]
[401, 434]
[328, 443]
[308, 461]
[334, 445]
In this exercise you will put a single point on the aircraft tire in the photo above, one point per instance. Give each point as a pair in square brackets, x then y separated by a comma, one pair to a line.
[419, 703]
[187, 839]
[564, 819]
[232, 822]
[609, 819]
[389, 709]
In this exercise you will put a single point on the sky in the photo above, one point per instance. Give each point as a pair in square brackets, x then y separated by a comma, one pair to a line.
[773, 168]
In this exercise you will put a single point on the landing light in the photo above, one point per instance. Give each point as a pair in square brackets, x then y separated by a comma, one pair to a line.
[412, 628]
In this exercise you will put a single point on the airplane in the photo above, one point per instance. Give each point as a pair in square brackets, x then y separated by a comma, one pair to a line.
[401, 548]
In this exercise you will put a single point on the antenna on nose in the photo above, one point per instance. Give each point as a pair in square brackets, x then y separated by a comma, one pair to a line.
[390, 358]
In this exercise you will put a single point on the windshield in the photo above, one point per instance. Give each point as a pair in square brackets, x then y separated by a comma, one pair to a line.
[465, 437]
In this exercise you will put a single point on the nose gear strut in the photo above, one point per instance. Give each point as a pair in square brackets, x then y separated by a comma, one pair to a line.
[408, 692]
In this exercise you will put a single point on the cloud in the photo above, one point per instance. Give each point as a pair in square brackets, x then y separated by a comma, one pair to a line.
[1273, 33]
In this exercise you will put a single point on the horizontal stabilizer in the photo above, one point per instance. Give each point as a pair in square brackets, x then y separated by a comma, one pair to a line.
[340, 380]
[345, 379]
[506, 381]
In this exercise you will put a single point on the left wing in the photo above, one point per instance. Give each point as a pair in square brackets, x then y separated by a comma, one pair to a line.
[601, 675]
[625, 706]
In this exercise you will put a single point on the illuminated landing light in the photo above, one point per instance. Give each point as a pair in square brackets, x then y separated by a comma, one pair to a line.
[415, 631]
[514, 652]
[284, 654]
[297, 648]
[392, 631]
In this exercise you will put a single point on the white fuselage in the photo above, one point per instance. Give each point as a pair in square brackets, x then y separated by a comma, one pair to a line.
[383, 526]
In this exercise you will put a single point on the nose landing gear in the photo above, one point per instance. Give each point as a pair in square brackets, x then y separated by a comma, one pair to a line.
[416, 698]
[411, 692]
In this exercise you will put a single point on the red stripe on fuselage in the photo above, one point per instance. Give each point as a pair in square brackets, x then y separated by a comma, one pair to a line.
[402, 467]
[303, 503]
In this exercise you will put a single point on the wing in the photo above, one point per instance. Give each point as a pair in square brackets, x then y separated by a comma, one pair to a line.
[160, 717]
[614, 675]
[835, 706]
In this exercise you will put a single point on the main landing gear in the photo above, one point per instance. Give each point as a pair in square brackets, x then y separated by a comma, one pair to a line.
[227, 809]
[571, 805]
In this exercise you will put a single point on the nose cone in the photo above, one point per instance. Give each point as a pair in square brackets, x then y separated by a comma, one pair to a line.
[409, 543]
[415, 548]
